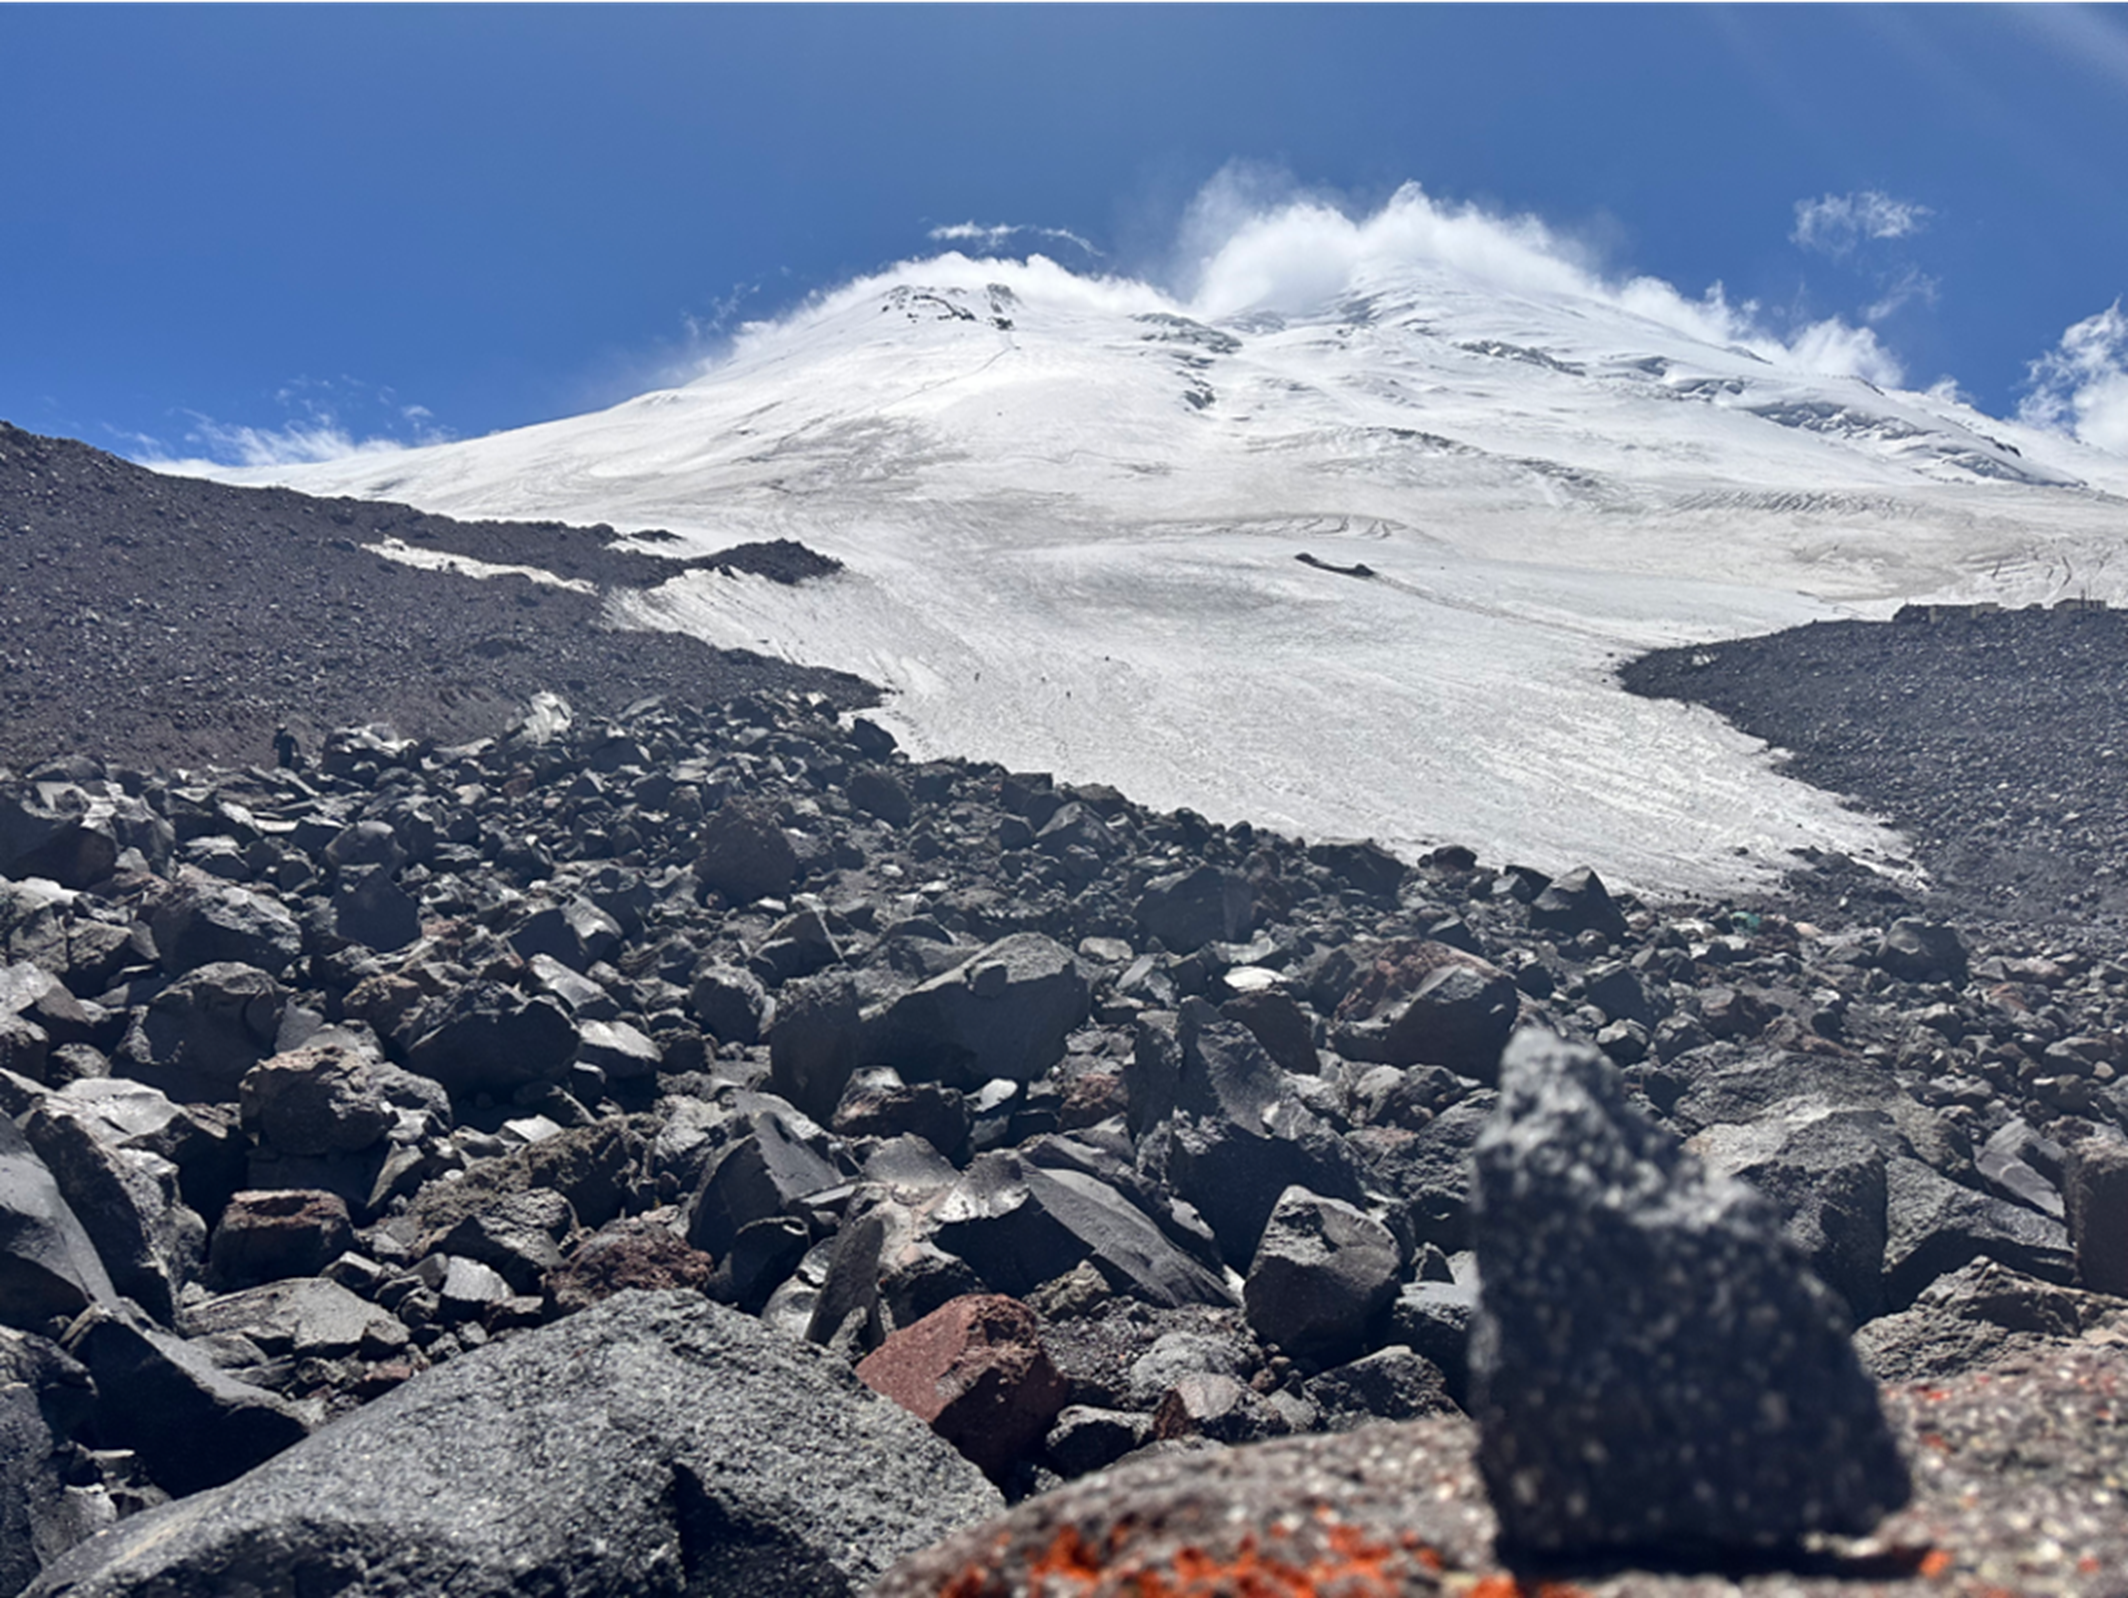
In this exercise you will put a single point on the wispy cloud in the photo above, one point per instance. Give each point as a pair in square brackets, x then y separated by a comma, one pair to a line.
[1301, 252]
[1835, 224]
[997, 235]
[332, 418]
[2081, 385]
[1906, 287]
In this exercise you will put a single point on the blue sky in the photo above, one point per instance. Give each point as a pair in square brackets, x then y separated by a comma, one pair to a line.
[232, 229]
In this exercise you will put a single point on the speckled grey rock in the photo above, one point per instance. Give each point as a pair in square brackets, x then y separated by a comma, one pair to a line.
[1653, 1366]
[657, 1443]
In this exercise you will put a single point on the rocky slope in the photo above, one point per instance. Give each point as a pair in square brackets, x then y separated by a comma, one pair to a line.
[348, 1074]
[1995, 738]
[346, 1109]
[170, 622]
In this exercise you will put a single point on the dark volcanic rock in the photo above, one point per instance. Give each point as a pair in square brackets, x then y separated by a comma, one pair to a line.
[1577, 902]
[198, 1036]
[208, 923]
[1191, 908]
[1322, 1273]
[263, 1237]
[681, 1448]
[161, 1396]
[1003, 1013]
[745, 855]
[44, 1398]
[48, 1266]
[2097, 1205]
[491, 1039]
[1653, 1367]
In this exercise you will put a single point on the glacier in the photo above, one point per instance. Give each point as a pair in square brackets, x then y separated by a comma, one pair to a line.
[1073, 512]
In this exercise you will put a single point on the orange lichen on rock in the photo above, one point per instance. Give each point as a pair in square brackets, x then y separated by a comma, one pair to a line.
[1343, 1563]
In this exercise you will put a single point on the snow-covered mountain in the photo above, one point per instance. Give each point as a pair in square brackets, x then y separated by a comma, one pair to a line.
[1073, 512]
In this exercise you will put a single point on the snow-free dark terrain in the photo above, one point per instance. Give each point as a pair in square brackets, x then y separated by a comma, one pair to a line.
[165, 621]
[1998, 741]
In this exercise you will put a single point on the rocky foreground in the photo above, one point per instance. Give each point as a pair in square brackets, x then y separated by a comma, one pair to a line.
[700, 1150]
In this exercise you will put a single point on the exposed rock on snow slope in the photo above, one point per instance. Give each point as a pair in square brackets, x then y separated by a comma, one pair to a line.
[1071, 513]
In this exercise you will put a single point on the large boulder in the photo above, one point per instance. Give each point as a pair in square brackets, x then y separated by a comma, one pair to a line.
[1003, 1013]
[44, 1398]
[129, 1198]
[48, 1265]
[1922, 951]
[336, 1096]
[1428, 1003]
[303, 1318]
[744, 854]
[2097, 1207]
[1824, 1171]
[816, 1043]
[1189, 909]
[198, 1036]
[655, 1443]
[487, 1038]
[1575, 903]
[206, 922]
[1018, 1225]
[263, 1237]
[1653, 1365]
[193, 1425]
[72, 836]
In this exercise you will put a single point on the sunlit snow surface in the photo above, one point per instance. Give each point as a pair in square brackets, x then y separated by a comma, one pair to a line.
[1071, 513]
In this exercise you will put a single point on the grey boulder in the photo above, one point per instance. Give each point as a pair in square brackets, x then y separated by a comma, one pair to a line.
[48, 1266]
[655, 1443]
[193, 1425]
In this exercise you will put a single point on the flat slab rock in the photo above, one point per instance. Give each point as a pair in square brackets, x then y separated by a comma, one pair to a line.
[2020, 1475]
[658, 1443]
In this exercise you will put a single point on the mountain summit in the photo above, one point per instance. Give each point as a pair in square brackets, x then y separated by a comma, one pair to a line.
[1361, 561]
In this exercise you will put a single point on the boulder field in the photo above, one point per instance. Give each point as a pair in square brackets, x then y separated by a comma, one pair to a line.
[699, 1150]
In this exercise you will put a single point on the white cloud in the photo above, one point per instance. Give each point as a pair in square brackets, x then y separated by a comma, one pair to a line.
[2081, 385]
[1304, 252]
[1837, 350]
[995, 235]
[1250, 241]
[1835, 224]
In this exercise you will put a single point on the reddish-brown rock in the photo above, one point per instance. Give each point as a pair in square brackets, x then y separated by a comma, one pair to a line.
[630, 1253]
[974, 1369]
[267, 1236]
